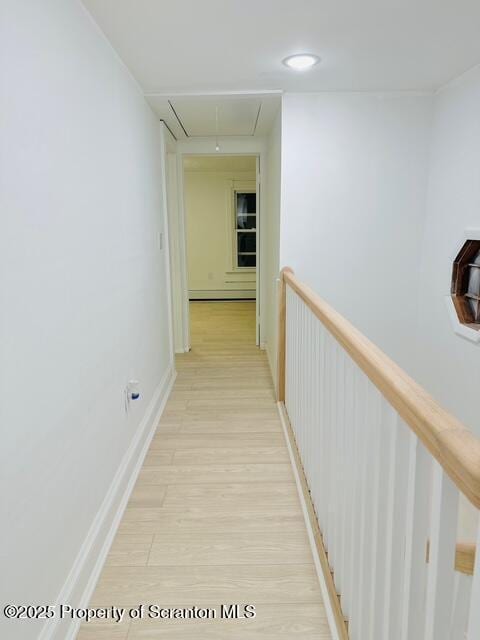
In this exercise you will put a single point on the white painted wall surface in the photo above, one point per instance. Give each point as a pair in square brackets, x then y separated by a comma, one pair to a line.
[209, 224]
[450, 364]
[272, 241]
[83, 286]
[354, 172]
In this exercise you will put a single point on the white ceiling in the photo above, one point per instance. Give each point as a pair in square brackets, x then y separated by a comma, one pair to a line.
[197, 47]
[223, 45]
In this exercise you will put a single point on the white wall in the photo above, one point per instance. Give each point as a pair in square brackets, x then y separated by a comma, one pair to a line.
[82, 291]
[353, 196]
[209, 224]
[272, 241]
[449, 365]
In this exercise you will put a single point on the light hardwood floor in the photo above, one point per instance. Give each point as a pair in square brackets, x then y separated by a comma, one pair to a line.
[215, 517]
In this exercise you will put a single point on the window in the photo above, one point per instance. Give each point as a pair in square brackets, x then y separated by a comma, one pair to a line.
[466, 284]
[245, 237]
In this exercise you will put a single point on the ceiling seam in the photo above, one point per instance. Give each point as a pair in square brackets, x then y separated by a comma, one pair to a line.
[171, 132]
[179, 121]
[256, 119]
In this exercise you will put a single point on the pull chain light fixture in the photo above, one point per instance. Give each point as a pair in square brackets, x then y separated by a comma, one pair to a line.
[217, 146]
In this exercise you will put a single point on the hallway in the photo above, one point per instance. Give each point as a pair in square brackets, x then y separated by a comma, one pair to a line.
[214, 517]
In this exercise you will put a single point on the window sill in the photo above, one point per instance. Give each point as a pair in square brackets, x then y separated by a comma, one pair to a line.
[241, 270]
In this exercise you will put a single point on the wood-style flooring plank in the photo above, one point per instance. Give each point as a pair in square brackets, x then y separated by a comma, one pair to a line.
[214, 548]
[130, 550]
[221, 426]
[214, 517]
[207, 585]
[272, 622]
[178, 474]
[220, 496]
[230, 455]
[196, 520]
[178, 442]
[152, 495]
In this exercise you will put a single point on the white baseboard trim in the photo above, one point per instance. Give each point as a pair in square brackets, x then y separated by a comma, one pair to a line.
[82, 579]
[273, 365]
[323, 587]
[244, 294]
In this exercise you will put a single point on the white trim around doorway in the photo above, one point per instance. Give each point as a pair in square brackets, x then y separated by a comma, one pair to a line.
[233, 146]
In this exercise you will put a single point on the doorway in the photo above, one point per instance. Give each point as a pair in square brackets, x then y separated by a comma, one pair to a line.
[221, 207]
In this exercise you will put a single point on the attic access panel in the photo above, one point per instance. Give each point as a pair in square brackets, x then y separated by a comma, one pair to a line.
[198, 116]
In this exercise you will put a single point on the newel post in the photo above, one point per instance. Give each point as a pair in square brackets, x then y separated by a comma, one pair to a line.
[281, 350]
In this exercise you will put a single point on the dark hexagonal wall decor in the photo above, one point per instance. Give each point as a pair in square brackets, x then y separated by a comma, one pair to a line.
[466, 284]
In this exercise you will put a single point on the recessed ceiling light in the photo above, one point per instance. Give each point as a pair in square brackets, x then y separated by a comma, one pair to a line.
[301, 61]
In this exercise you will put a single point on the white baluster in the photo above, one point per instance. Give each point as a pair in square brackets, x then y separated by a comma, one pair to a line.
[474, 615]
[443, 530]
[385, 471]
[340, 471]
[288, 354]
[348, 486]
[316, 442]
[310, 452]
[327, 442]
[333, 463]
[372, 517]
[298, 358]
[461, 602]
[395, 527]
[294, 351]
[417, 521]
[321, 500]
[358, 503]
[369, 505]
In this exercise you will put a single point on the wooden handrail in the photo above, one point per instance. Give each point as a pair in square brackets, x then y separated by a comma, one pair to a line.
[452, 444]
[464, 557]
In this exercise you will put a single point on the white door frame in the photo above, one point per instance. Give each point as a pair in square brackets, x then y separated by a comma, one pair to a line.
[228, 147]
[163, 239]
[260, 264]
[173, 241]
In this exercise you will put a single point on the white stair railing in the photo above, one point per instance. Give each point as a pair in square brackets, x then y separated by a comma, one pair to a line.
[384, 467]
